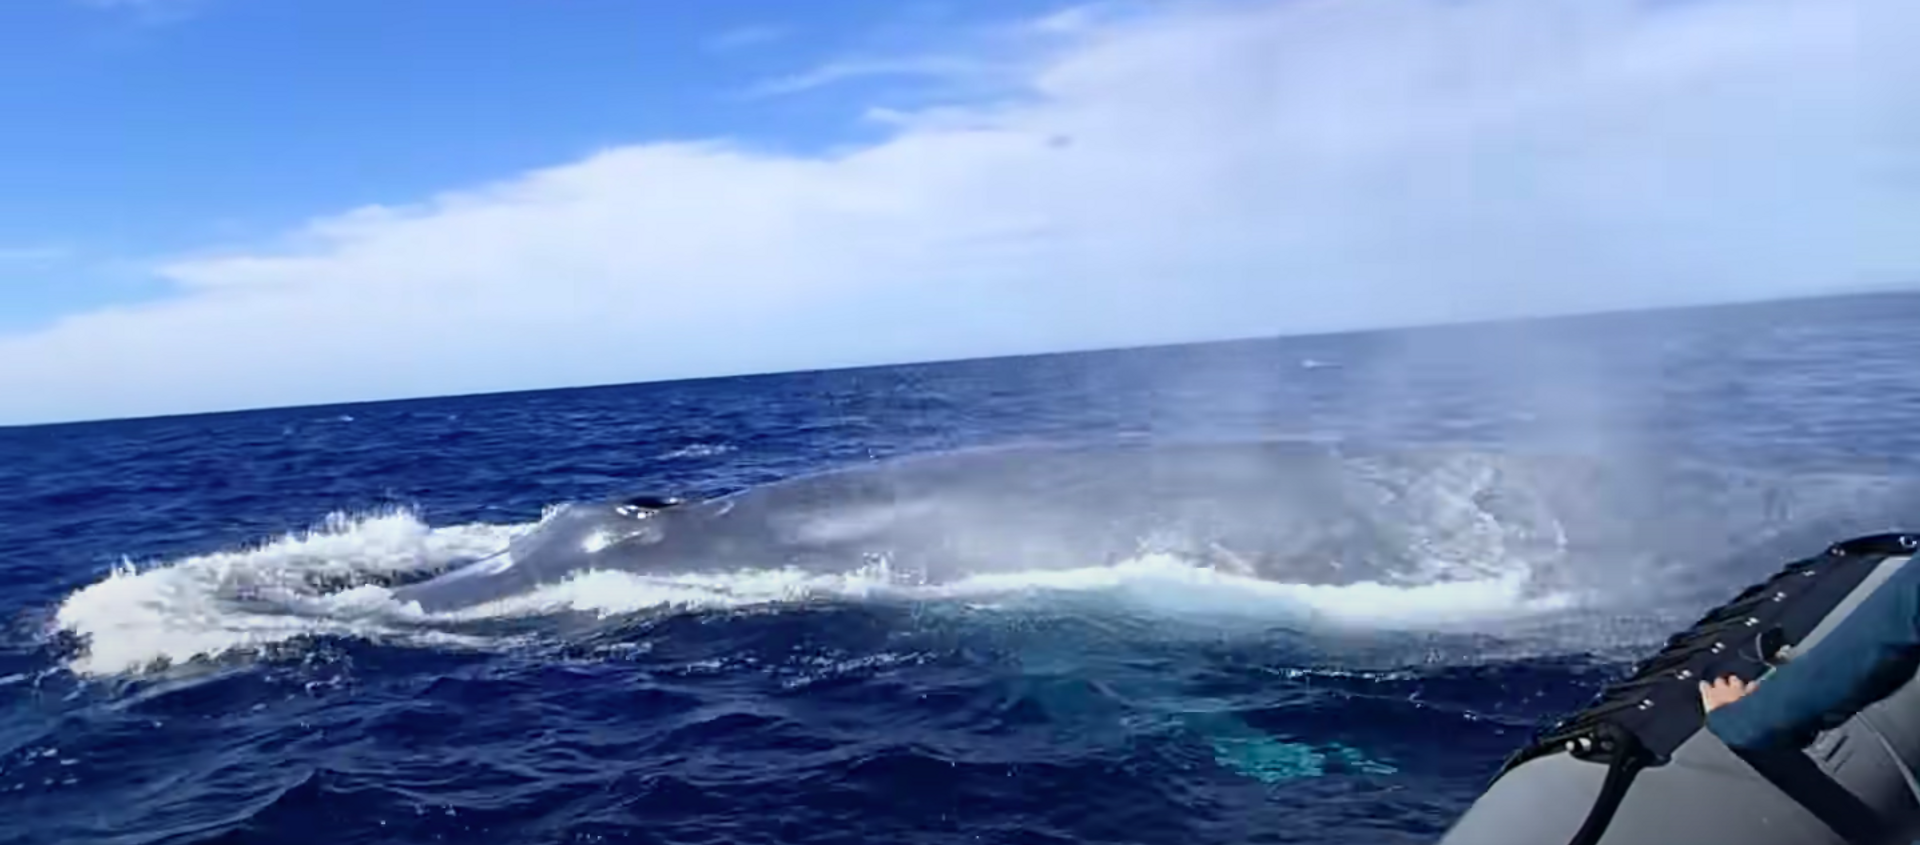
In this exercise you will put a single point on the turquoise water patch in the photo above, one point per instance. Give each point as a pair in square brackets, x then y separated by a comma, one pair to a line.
[1274, 760]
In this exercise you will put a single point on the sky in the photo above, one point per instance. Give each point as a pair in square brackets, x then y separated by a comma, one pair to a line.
[222, 204]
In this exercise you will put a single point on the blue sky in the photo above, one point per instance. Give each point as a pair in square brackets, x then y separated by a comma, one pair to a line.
[151, 126]
[215, 204]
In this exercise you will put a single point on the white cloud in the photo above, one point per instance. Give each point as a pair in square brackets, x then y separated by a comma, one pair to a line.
[842, 70]
[1193, 171]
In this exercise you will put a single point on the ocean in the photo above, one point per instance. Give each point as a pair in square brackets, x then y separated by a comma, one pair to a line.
[202, 645]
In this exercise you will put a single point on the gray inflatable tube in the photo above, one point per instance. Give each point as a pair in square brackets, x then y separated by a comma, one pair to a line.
[1637, 765]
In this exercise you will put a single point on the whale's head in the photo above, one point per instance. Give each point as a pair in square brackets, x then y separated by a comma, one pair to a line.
[570, 539]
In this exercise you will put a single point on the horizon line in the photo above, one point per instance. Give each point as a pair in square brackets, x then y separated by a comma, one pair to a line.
[1894, 290]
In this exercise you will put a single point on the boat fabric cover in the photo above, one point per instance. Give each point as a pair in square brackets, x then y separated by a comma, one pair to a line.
[1635, 765]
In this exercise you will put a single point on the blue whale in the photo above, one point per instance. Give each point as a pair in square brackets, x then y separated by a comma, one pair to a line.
[1288, 511]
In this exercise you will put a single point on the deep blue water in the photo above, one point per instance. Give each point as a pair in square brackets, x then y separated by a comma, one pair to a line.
[242, 679]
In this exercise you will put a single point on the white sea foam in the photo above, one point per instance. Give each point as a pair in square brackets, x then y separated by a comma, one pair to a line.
[1153, 582]
[697, 450]
[188, 608]
[191, 608]
[1168, 584]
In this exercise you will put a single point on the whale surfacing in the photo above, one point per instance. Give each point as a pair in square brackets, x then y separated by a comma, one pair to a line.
[1296, 512]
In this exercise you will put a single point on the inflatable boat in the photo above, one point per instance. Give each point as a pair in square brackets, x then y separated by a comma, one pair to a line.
[1637, 765]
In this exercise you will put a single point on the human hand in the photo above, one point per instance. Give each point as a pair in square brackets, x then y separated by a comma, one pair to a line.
[1724, 691]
